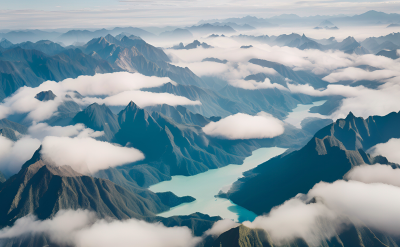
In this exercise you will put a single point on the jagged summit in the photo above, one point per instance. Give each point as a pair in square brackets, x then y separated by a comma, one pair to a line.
[45, 96]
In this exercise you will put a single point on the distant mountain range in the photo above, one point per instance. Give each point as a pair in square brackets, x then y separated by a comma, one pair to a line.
[348, 45]
[20, 67]
[368, 18]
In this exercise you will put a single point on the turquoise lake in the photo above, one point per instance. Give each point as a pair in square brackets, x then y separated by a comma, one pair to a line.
[205, 186]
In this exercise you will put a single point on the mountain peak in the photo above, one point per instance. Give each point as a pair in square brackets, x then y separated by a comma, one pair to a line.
[350, 116]
[45, 96]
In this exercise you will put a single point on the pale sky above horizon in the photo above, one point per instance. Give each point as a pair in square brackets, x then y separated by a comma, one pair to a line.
[48, 14]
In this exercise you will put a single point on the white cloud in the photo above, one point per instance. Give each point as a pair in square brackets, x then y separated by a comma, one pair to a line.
[375, 205]
[377, 173]
[296, 219]
[243, 126]
[372, 204]
[362, 101]
[134, 233]
[14, 154]
[221, 226]
[253, 85]
[115, 88]
[41, 130]
[85, 154]
[81, 228]
[390, 150]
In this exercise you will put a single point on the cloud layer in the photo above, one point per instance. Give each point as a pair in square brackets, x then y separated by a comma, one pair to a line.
[82, 228]
[87, 155]
[114, 89]
[243, 126]
[390, 150]
[370, 201]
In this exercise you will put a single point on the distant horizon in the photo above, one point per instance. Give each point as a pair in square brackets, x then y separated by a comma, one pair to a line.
[162, 14]
[186, 24]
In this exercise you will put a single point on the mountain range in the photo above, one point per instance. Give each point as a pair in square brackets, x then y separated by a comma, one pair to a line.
[327, 157]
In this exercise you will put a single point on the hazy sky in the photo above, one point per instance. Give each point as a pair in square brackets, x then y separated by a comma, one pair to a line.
[108, 13]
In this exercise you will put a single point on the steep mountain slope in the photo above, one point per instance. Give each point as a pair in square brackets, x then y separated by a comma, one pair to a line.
[180, 115]
[332, 152]
[20, 67]
[43, 189]
[352, 235]
[134, 54]
[393, 54]
[99, 118]
[179, 149]
[11, 130]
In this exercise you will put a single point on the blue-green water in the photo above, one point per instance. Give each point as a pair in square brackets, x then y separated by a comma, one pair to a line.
[205, 186]
[301, 112]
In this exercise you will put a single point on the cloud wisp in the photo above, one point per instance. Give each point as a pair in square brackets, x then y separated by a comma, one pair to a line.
[244, 126]
[82, 228]
[87, 155]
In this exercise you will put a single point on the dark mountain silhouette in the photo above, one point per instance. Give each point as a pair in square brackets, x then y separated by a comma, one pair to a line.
[393, 54]
[99, 118]
[192, 45]
[45, 96]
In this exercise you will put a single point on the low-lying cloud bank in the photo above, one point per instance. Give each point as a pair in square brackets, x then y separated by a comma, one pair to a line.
[244, 126]
[87, 155]
[362, 101]
[14, 154]
[82, 228]
[114, 89]
[372, 201]
[72, 145]
[390, 150]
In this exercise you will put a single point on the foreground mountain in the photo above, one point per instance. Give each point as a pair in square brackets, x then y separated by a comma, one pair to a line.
[43, 189]
[332, 152]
